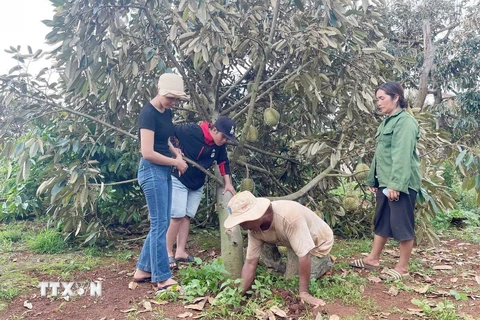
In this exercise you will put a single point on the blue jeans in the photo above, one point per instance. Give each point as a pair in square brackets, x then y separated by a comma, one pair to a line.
[156, 183]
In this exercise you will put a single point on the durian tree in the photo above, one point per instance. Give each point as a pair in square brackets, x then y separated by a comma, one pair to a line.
[298, 78]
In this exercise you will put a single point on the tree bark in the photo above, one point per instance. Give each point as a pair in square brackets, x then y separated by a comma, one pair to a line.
[292, 264]
[231, 240]
[271, 258]
[427, 65]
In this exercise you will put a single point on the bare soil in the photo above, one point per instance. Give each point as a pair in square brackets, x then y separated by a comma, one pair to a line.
[118, 301]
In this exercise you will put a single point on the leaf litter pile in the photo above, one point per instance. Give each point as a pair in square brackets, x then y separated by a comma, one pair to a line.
[447, 274]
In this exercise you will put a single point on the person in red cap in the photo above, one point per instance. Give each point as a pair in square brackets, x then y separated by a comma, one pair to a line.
[282, 223]
[204, 144]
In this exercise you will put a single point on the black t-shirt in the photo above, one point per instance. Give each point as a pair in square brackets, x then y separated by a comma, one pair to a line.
[160, 123]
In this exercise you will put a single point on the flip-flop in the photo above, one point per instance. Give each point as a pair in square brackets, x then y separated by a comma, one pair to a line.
[361, 265]
[392, 274]
[173, 263]
[188, 259]
[142, 280]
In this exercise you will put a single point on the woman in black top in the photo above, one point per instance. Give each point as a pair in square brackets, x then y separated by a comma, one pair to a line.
[154, 176]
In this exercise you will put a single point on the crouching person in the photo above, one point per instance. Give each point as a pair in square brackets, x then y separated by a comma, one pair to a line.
[285, 223]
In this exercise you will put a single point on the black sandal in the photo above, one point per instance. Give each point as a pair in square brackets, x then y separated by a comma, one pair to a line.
[173, 263]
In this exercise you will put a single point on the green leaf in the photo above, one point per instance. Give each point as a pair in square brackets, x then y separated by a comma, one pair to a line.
[460, 157]
[149, 53]
[299, 5]
[57, 188]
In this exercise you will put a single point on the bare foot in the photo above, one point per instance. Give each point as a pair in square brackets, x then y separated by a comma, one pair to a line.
[306, 297]
[169, 283]
[371, 262]
[140, 274]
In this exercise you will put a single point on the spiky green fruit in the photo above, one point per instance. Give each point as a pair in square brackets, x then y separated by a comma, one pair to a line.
[271, 117]
[350, 203]
[252, 134]
[361, 171]
[247, 185]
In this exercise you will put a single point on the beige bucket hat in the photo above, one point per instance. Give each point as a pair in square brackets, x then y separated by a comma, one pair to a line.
[171, 85]
[244, 206]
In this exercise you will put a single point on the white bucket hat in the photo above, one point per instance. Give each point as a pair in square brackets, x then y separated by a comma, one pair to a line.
[245, 207]
[171, 85]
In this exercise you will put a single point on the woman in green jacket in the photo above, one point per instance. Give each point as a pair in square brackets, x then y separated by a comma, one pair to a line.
[394, 177]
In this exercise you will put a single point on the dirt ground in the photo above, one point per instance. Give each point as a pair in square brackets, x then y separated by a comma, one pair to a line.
[456, 265]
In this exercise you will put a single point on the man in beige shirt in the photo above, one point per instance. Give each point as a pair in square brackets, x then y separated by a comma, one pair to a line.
[284, 223]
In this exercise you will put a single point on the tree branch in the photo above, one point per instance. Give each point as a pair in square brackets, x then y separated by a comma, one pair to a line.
[300, 193]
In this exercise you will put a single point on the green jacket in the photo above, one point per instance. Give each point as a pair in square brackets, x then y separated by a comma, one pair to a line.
[395, 163]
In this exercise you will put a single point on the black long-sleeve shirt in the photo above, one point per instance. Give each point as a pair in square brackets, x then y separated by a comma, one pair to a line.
[197, 144]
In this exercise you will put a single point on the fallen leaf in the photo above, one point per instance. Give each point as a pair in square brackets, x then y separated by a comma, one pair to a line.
[334, 317]
[374, 279]
[279, 312]
[319, 316]
[260, 313]
[27, 305]
[198, 299]
[415, 312]
[160, 303]
[101, 279]
[122, 272]
[421, 289]
[130, 274]
[477, 278]
[393, 291]
[271, 316]
[453, 280]
[211, 300]
[441, 293]
[132, 285]
[147, 305]
[128, 310]
[393, 253]
[185, 315]
[66, 298]
[442, 267]
[199, 306]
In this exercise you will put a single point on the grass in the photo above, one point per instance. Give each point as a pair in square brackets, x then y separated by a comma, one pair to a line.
[344, 288]
[47, 241]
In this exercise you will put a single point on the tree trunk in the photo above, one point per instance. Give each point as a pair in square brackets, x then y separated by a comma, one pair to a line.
[231, 240]
[427, 65]
[292, 264]
[271, 258]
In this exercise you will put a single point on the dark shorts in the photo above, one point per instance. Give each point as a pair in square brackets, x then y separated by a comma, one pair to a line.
[395, 219]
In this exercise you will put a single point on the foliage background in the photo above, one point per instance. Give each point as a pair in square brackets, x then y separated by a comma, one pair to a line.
[69, 141]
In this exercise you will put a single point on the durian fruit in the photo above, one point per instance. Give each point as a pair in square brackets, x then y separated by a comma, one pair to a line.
[252, 134]
[350, 202]
[361, 171]
[271, 117]
[247, 185]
